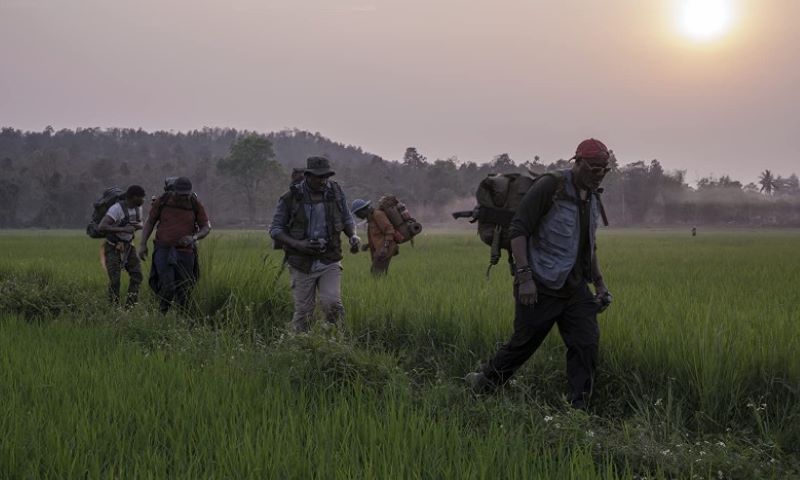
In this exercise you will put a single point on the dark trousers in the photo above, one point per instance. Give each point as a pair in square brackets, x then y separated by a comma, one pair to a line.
[576, 318]
[175, 270]
[118, 259]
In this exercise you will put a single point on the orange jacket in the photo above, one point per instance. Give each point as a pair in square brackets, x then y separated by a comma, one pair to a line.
[380, 232]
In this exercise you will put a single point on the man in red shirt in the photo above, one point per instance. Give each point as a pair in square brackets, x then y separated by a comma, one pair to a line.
[180, 220]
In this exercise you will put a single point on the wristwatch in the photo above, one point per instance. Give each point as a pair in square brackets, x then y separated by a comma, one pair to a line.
[522, 275]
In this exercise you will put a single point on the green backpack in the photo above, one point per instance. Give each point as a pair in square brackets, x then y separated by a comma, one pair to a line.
[498, 196]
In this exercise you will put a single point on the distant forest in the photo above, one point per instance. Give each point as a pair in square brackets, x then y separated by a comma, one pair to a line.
[50, 179]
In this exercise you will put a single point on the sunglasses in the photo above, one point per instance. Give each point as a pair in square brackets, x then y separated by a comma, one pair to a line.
[598, 170]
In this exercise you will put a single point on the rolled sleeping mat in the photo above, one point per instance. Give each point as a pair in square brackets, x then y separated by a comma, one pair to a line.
[393, 214]
[404, 231]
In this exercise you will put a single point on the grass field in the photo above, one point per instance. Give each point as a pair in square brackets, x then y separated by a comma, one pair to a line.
[699, 373]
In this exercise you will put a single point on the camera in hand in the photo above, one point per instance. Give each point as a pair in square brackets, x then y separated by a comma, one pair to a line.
[318, 244]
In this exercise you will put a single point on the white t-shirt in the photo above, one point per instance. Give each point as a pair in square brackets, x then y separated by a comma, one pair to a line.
[118, 216]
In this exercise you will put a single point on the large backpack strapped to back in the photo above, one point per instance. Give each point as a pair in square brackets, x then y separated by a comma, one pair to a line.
[168, 200]
[498, 197]
[109, 197]
[404, 224]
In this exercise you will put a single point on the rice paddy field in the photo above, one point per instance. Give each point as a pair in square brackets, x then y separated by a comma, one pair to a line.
[699, 371]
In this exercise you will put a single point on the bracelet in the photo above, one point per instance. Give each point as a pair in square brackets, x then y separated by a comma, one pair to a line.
[523, 277]
[526, 268]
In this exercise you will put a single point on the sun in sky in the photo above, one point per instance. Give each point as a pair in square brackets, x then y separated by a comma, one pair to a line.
[705, 20]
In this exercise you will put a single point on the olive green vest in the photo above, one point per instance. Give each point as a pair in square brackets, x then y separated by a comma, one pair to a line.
[295, 200]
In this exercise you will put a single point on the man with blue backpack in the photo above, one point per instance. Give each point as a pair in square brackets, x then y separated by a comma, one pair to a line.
[553, 244]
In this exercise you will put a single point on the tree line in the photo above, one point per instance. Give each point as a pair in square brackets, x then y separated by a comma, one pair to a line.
[50, 178]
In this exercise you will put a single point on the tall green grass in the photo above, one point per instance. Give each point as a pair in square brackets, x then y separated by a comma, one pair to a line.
[698, 367]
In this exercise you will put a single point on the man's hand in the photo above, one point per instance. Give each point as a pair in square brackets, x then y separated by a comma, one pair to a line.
[143, 252]
[382, 254]
[187, 240]
[355, 244]
[137, 226]
[127, 229]
[526, 292]
[304, 247]
[602, 297]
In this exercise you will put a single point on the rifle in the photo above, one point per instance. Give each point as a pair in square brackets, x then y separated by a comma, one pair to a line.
[471, 214]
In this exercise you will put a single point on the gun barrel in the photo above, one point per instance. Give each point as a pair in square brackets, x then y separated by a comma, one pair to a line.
[464, 214]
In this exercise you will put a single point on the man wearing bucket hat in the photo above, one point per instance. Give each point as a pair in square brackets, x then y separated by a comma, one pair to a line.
[554, 249]
[180, 221]
[380, 235]
[308, 221]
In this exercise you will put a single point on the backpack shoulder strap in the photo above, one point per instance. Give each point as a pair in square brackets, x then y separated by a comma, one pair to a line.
[600, 205]
[293, 199]
[560, 178]
[162, 200]
[125, 214]
[338, 195]
[195, 207]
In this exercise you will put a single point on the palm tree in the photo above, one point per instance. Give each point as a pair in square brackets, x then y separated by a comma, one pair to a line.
[767, 182]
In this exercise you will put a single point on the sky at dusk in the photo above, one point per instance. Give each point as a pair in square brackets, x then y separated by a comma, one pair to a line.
[465, 78]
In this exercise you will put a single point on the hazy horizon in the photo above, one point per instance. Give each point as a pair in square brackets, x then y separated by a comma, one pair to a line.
[471, 81]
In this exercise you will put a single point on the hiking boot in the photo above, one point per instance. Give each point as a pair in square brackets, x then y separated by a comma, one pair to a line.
[479, 383]
[578, 405]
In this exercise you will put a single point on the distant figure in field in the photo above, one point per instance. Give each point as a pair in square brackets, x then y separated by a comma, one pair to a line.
[694, 231]
[180, 220]
[553, 245]
[119, 225]
[381, 239]
[308, 222]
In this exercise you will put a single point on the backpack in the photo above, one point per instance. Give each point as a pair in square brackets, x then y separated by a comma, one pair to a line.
[498, 197]
[109, 197]
[169, 194]
[404, 224]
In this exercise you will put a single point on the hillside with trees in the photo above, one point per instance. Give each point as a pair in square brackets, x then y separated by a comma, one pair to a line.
[50, 178]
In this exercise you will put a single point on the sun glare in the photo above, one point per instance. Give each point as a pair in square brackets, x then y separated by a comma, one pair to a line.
[705, 20]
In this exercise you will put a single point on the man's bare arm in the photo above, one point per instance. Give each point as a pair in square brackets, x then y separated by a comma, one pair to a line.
[106, 226]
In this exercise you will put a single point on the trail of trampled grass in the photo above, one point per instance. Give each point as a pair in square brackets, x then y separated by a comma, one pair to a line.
[88, 401]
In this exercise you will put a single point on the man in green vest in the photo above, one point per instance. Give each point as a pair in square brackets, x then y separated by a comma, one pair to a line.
[308, 222]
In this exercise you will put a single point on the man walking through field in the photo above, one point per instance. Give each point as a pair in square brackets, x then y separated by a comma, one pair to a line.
[180, 221]
[381, 235]
[554, 247]
[308, 222]
[119, 224]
